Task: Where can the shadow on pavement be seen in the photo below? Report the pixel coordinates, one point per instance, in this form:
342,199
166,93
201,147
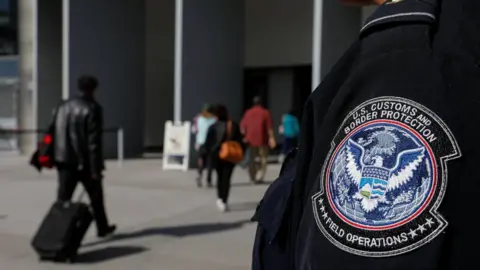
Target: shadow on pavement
263,183
108,253
246,206
178,231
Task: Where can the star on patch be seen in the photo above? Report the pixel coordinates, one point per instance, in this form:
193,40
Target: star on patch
322,208
429,222
325,216
421,228
413,233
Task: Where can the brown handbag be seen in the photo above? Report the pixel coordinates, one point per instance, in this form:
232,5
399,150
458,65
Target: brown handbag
230,150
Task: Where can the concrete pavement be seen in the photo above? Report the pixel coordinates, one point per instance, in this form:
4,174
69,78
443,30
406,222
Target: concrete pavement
164,221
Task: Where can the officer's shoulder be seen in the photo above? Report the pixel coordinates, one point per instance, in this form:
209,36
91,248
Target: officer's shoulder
397,11
391,13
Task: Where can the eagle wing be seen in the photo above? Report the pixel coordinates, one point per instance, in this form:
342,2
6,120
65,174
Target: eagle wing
407,162
354,154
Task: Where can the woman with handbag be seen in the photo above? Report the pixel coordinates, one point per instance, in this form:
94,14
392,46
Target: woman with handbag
224,145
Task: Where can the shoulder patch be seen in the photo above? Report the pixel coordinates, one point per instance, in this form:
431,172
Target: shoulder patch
384,178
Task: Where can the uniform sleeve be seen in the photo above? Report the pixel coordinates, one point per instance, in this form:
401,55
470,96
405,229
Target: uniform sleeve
457,35
304,155
297,126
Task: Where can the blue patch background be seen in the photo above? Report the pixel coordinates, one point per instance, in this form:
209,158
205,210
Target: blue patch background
402,202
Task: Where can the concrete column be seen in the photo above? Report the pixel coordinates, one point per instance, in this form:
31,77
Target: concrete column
160,31
107,40
317,43
49,79
212,55
27,107
209,57
340,25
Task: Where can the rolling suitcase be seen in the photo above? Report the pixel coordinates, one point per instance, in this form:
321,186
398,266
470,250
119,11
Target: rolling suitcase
61,232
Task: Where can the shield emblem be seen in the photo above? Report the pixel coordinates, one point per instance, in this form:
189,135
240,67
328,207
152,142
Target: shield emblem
374,182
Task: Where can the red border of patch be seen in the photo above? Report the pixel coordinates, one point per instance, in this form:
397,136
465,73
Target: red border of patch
400,223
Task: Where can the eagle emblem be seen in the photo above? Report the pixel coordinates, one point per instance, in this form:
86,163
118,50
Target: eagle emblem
375,180
384,178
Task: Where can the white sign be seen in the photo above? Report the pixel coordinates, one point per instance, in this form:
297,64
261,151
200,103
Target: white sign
8,141
176,146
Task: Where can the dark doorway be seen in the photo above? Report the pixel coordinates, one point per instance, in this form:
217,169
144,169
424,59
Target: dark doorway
8,27
302,87
255,83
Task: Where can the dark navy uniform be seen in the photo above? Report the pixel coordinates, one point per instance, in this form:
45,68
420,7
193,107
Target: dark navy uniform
386,175
389,154
271,241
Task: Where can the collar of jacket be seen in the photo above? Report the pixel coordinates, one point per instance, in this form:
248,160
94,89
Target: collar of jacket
395,11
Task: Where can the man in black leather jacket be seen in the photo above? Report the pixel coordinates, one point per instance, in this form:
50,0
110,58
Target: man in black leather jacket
78,150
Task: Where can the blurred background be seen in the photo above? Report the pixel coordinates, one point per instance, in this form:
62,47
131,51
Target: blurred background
156,61
161,60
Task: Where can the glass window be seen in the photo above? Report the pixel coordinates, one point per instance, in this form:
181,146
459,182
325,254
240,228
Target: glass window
8,27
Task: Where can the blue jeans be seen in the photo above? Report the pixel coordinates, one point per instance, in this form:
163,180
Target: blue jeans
246,158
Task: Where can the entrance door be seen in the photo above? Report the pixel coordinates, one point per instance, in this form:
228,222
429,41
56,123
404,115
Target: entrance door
255,83
302,87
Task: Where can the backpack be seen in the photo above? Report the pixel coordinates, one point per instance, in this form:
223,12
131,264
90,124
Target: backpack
44,156
230,150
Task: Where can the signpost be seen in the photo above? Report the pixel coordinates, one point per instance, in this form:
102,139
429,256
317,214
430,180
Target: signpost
176,146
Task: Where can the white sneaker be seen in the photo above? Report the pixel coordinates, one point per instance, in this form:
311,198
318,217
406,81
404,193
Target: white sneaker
222,207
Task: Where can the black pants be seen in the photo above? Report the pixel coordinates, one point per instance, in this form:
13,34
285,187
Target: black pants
67,182
206,163
224,179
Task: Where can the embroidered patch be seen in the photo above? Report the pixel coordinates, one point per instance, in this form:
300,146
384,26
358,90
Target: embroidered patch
384,179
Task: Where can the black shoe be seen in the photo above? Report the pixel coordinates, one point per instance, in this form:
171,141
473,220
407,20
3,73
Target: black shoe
108,232
209,185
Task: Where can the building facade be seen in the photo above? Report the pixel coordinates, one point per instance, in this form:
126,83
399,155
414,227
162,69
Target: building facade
161,60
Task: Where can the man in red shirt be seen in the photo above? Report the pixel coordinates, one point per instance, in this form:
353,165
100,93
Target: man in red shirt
257,127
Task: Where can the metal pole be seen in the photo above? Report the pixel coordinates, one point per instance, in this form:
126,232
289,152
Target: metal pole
35,68
66,50
120,146
317,43
177,101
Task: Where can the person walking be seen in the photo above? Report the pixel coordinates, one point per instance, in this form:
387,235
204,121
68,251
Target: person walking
221,132
290,129
257,127
78,151
203,122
